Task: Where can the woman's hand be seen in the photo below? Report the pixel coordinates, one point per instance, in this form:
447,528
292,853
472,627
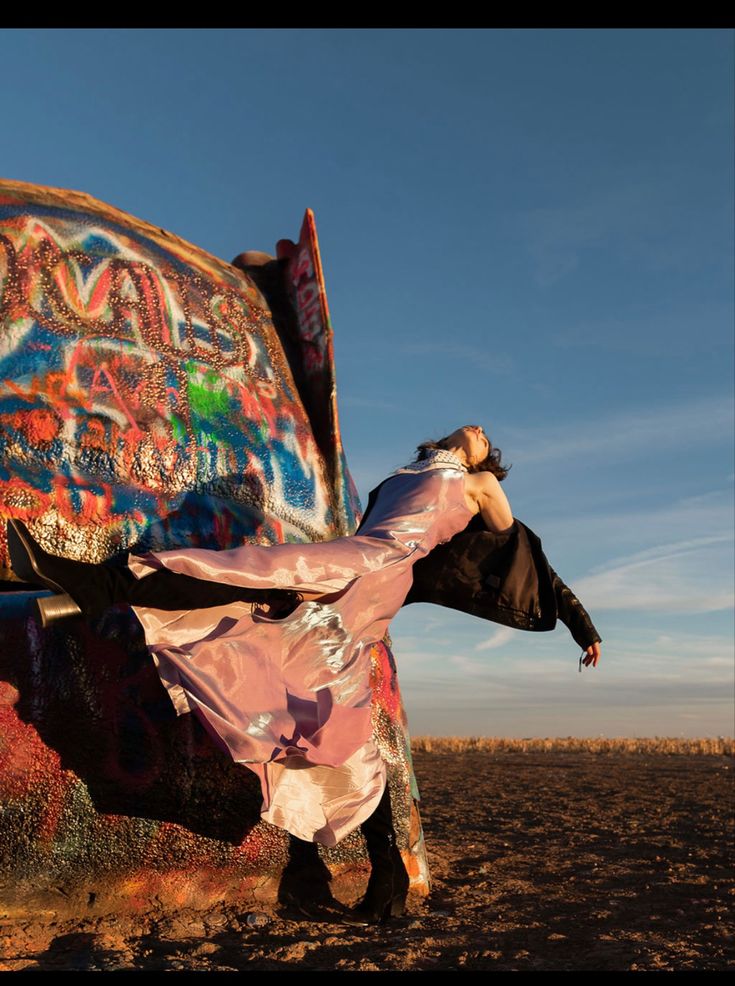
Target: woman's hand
592,655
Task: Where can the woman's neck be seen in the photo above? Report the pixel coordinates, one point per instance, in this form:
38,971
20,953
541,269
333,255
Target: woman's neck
460,454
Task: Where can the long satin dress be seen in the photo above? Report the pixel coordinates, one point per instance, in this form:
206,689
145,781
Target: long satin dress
290,698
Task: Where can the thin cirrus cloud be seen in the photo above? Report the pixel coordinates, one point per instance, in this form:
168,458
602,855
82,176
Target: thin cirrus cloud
650,330
688,576
641,216
704,421
708,514
497,639
476,356
655,674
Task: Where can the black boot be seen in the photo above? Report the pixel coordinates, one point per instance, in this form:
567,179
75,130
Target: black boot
305,880
87,590
34,565
388,885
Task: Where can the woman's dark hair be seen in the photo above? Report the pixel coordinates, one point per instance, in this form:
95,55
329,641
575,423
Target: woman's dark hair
491,462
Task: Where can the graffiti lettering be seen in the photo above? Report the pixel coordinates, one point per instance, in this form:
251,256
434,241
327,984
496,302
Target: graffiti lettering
169,312
131,377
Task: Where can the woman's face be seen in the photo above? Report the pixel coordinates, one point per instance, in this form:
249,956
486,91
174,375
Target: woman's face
473,441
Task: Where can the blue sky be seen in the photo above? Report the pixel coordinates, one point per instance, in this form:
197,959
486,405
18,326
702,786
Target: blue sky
530,230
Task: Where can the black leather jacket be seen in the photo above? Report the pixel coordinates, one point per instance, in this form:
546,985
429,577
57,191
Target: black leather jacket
505,578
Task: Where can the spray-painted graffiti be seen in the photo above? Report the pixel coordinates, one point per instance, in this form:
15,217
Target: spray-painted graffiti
102,786
305,280
139,382
147,401
309,301
390,727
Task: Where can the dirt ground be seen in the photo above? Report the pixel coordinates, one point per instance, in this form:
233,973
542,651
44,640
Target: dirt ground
550,861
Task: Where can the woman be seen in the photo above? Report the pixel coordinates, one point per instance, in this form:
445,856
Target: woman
286,690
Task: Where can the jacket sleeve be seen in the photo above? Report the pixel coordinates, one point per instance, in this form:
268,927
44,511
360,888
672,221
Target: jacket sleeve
571,612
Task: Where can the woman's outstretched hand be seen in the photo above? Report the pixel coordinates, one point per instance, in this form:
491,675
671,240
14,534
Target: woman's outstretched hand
592,655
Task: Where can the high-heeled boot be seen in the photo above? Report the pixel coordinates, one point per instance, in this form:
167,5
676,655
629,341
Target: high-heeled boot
86,590
305,879
79,587
388,885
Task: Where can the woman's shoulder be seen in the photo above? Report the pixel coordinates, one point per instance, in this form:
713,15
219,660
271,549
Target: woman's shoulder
483,482
491,500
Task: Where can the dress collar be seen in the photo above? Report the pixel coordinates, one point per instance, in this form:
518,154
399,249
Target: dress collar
435,459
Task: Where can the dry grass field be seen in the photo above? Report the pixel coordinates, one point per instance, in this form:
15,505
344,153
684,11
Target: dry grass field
719,745
545,855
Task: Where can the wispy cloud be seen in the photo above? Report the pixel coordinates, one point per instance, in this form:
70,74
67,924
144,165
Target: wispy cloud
478,357
500,636
662,552
656,676
647,678
623,435
709,514
648,566
651,329
670,583
689,576
641,216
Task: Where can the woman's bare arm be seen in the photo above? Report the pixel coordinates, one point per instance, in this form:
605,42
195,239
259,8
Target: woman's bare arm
494,507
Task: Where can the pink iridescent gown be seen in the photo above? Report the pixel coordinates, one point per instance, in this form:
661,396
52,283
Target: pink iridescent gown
290,698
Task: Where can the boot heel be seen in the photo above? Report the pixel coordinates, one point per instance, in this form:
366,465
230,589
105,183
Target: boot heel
54,608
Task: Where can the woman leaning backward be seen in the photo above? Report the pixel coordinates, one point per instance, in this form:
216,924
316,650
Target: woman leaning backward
284,686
